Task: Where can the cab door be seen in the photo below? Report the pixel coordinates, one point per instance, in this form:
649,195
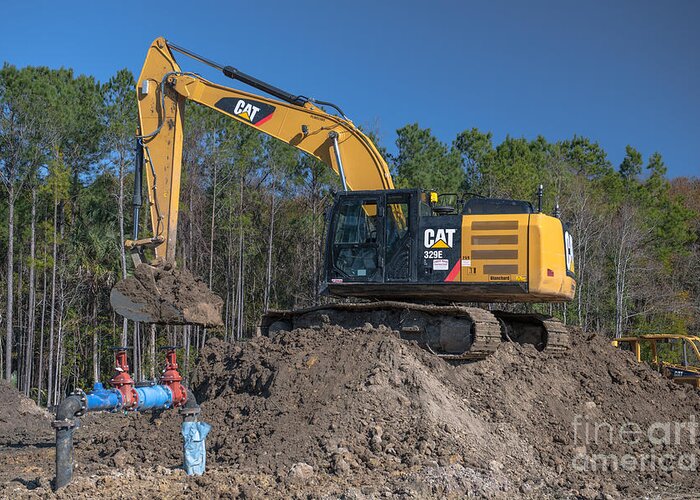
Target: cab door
398,237
356,239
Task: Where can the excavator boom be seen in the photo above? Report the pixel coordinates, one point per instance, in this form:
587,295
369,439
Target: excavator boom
163,90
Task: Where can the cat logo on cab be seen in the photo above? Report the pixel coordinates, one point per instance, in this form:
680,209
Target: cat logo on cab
439,238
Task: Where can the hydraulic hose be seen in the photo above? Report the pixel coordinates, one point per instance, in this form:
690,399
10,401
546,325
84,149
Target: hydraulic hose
65,426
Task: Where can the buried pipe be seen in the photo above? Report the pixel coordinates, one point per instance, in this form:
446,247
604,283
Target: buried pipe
190,410
125,396
66,417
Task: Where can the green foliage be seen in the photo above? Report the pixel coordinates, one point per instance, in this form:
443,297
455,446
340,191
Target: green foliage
477,152
586,158
57,183
64,110
517,169
631,165
664,323
423,161
246,198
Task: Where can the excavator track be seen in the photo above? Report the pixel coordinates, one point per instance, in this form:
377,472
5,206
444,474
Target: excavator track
486,335
558,341
451,332
547,334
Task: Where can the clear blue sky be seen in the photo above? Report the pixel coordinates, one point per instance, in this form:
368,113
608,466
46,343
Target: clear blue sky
619,72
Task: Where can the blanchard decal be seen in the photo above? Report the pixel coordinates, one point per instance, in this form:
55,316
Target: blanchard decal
254,112
439,238
499,278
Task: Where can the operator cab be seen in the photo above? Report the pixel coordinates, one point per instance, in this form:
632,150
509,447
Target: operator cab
370,236
380,241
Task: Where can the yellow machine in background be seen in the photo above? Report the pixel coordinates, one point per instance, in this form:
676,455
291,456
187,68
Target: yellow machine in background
383,244
657,349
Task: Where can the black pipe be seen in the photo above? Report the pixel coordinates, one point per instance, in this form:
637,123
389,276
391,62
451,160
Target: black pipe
236,74
65,426
326,103
190,410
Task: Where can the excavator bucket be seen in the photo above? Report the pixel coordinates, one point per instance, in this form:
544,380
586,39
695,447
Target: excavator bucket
165,295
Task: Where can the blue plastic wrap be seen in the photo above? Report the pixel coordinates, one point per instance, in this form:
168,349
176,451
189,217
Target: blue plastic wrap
194,435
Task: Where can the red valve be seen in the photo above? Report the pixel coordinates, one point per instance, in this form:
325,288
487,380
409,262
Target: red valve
122,381
172,378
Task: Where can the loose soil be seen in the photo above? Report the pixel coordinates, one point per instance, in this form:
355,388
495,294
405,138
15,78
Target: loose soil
21,420
333,413
164,294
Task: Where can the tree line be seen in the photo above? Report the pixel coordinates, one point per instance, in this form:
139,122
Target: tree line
252,221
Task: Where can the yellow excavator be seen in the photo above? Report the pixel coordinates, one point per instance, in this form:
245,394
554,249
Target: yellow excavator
407,258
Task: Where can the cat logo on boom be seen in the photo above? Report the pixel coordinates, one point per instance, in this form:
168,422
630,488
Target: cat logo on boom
251,111
439,238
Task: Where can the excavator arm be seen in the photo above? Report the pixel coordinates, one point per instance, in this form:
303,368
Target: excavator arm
158,292
164,89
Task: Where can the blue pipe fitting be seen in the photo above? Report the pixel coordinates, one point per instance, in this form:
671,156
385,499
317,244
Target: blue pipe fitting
154,397
101,399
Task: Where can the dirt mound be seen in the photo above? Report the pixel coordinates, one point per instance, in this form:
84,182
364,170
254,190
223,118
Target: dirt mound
355,402
21,420
328,412
163,294
593,421
334,399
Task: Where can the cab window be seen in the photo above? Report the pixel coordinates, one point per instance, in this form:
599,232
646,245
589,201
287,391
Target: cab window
356,223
